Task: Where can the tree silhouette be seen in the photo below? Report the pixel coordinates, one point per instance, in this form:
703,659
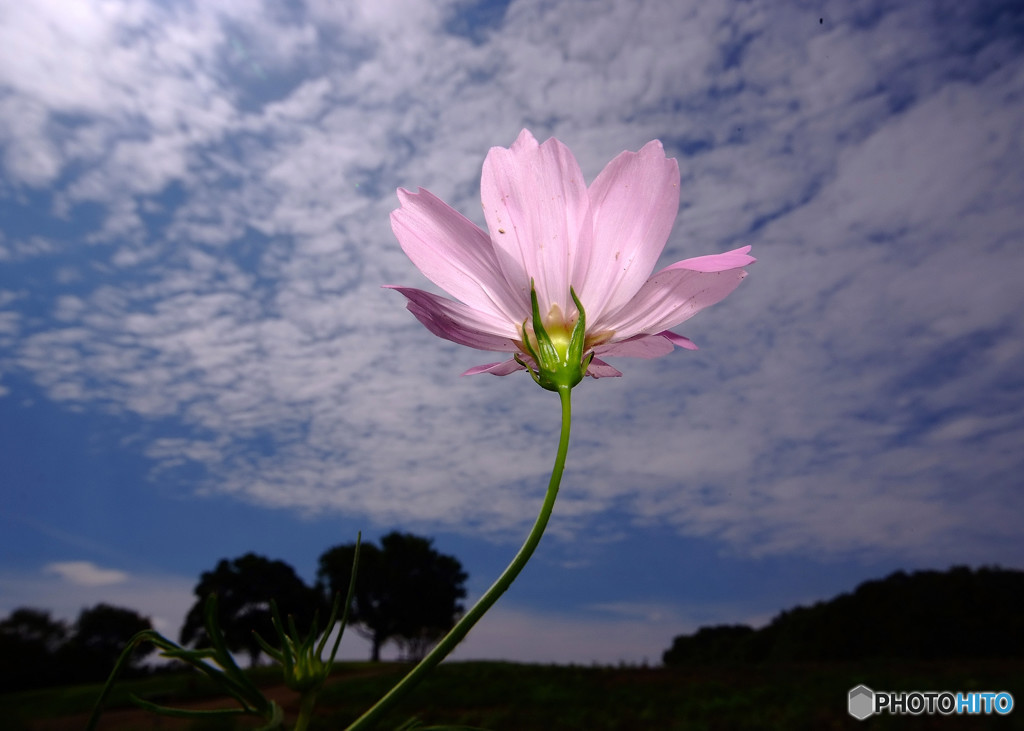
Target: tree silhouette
718,645
36,650
244,588
100,636
927,615
29,642
406,591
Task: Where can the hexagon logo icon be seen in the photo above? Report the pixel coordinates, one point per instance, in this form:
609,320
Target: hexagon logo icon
862,702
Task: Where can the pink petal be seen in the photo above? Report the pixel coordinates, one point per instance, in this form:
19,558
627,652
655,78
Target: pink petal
454,253
459,323
599,369
633,202
535,203
504,368
677,293
679,340
641,346
716,262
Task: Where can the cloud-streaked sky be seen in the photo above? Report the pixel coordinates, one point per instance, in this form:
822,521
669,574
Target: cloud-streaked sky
197,359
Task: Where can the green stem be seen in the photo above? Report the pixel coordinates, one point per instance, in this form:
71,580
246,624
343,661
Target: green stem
460,630
306,703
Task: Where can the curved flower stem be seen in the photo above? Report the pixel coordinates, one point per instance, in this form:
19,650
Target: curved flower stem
460,630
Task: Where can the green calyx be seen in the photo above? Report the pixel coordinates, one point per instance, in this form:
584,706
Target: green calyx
558,354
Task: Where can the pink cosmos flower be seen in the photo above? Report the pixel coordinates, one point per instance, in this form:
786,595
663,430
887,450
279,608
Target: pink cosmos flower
546,227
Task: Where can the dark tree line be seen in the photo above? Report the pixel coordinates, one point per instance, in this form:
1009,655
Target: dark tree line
926,615
406,593
37,650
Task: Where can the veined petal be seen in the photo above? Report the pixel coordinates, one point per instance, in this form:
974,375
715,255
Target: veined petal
535,203
677,293
633,205
459,323
640,346
454,253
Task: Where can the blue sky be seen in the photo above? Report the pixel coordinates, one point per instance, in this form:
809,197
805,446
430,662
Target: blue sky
197,359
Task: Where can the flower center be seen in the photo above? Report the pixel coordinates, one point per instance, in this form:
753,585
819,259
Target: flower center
559,332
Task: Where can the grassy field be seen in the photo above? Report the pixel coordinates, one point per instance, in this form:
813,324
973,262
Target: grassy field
507,696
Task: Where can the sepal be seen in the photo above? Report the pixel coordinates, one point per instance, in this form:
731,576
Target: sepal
559,359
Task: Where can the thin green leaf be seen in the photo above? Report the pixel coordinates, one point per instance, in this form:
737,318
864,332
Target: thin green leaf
330,625
287,649
186,713
244,690
274,653
275,718
135,641
348,602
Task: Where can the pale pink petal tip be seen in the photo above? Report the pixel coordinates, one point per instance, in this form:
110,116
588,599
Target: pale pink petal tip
599,369
453,320
716,262
679,340
504,368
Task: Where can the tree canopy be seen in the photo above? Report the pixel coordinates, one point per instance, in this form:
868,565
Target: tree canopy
29,641
36,650
244,587
101,634
406,591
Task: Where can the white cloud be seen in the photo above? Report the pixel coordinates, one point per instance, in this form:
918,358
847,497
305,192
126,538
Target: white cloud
85,573
873,165
66,588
